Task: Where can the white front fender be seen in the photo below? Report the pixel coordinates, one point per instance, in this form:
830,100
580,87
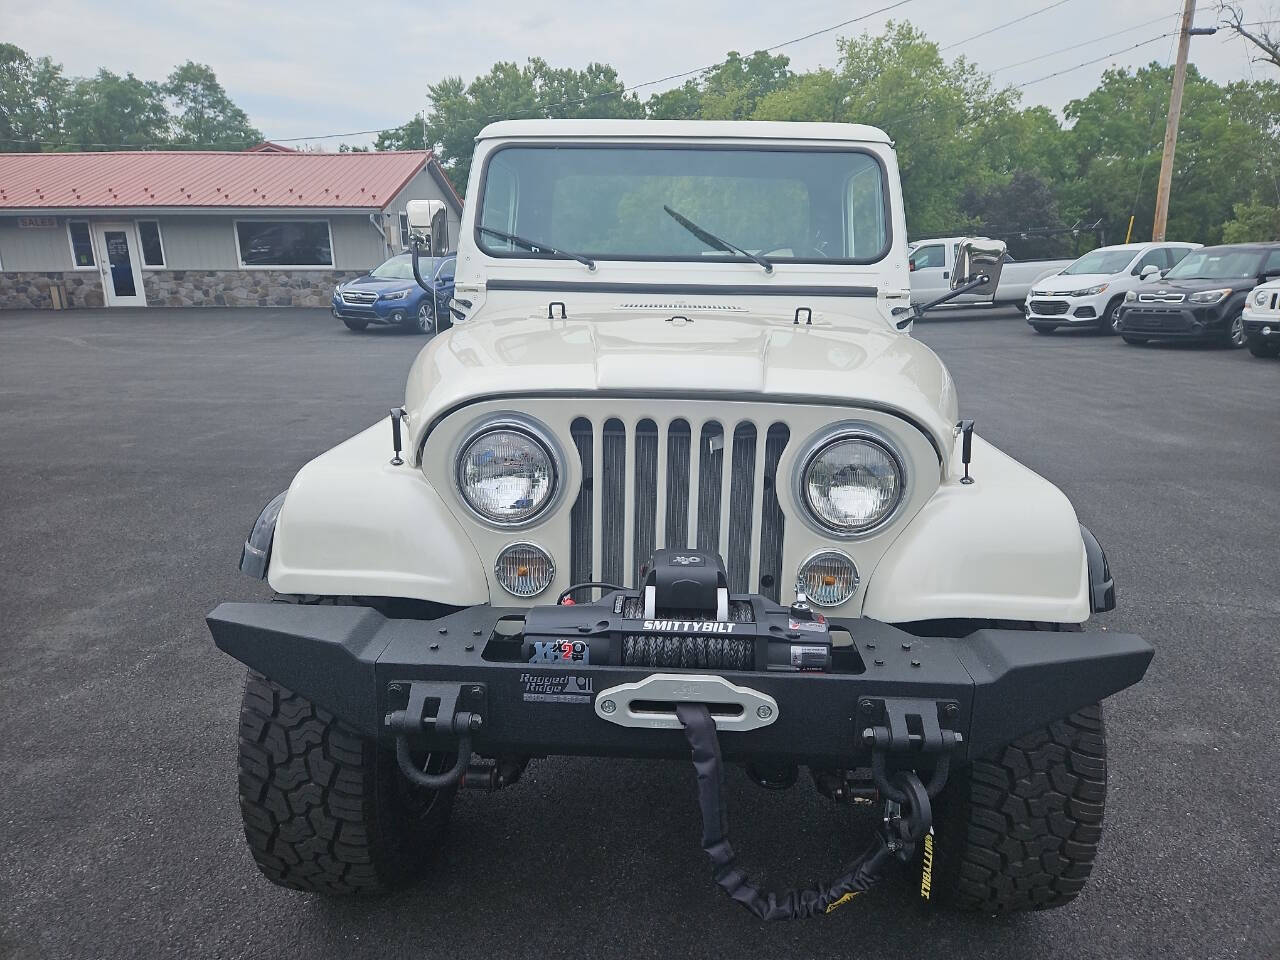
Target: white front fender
352,524
1006,547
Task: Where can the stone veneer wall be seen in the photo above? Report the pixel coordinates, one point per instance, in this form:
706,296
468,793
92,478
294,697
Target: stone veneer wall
243,288
24,291
181,288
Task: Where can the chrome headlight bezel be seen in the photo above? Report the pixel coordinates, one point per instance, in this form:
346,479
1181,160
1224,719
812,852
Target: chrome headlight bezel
533,430
1260,298
533,547
837,433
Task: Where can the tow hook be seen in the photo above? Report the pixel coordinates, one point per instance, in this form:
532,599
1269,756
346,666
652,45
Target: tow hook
438,707
910,729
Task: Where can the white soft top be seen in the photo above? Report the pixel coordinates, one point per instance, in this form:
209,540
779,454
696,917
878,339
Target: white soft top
682,129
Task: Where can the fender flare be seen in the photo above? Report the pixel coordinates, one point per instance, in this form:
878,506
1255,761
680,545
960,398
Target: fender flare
1102,586
255,556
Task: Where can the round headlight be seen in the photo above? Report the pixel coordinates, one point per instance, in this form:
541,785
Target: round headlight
828,578
1260,298
506,475
851,484
524,569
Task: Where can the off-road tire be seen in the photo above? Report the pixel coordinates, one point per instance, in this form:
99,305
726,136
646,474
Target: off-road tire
326,810
1260,348
355,326
1045,328
1020,830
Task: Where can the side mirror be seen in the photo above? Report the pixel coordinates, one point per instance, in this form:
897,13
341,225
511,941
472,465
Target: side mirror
1149,271
978,257
429,224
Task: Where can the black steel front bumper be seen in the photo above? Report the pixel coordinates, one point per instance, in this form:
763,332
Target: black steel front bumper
991,686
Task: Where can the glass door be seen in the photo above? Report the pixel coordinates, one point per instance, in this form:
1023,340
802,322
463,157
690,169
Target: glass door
120,264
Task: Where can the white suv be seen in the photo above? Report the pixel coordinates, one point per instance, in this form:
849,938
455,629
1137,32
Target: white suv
1089,291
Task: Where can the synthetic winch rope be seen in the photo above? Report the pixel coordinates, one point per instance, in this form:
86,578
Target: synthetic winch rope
858,876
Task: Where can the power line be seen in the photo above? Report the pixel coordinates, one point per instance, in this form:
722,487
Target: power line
496,116
1106,56
1001,26
1076,46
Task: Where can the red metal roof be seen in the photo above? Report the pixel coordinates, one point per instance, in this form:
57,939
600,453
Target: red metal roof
200,179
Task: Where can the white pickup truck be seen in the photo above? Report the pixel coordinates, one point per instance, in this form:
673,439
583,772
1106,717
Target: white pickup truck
933,261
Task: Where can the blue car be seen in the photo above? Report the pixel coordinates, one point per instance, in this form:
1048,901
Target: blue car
388,295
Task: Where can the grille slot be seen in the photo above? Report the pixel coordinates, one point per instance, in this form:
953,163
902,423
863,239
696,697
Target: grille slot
658,488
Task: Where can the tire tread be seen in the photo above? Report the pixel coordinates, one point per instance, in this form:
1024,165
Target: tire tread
1028,821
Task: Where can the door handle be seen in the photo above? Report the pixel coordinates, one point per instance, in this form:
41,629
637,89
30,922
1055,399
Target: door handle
946,274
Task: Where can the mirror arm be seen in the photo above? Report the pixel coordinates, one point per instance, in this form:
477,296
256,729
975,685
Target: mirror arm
416,243
917,311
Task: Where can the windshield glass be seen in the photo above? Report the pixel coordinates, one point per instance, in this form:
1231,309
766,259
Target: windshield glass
401,268
1217,265
1102,261
607,202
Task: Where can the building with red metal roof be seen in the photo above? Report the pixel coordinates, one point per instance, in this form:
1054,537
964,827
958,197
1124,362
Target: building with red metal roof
267,227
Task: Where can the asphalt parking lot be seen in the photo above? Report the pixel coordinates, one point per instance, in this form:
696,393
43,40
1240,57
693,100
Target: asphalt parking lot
136,448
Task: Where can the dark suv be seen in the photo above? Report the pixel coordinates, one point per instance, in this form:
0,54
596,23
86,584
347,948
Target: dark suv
1202,298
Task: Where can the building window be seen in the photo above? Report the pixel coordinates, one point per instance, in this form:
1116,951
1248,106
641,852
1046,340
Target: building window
152,248
81,244
404,230
284,243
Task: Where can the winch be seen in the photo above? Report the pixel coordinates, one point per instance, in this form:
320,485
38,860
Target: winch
682,615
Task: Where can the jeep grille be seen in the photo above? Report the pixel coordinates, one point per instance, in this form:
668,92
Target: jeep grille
658,488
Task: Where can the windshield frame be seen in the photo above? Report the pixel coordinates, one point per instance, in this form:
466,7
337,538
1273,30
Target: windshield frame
888,213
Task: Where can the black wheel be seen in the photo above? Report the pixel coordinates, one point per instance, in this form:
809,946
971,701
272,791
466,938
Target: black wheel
326,810
1261,348
1043,327
356,325
1020,830
1111,317
1132,340
424,318
1236,335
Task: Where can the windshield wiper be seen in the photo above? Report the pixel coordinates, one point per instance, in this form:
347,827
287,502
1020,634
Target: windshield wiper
711,240
533,245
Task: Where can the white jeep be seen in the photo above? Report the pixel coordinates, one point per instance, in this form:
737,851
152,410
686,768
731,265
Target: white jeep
679,479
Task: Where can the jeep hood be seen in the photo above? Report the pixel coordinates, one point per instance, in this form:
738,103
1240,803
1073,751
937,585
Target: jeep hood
702,355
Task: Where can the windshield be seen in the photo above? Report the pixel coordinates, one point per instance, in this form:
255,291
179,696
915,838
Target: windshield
401,268
1217,265
1102,261
608,202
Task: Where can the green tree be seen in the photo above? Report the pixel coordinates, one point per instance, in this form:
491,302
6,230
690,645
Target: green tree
460,110
1228,141
728,91
108,111
204,116
31,95
1251,222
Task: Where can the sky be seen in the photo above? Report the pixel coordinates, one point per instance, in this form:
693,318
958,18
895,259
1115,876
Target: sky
322,67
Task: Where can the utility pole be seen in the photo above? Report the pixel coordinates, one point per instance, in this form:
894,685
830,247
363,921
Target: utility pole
1175,113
